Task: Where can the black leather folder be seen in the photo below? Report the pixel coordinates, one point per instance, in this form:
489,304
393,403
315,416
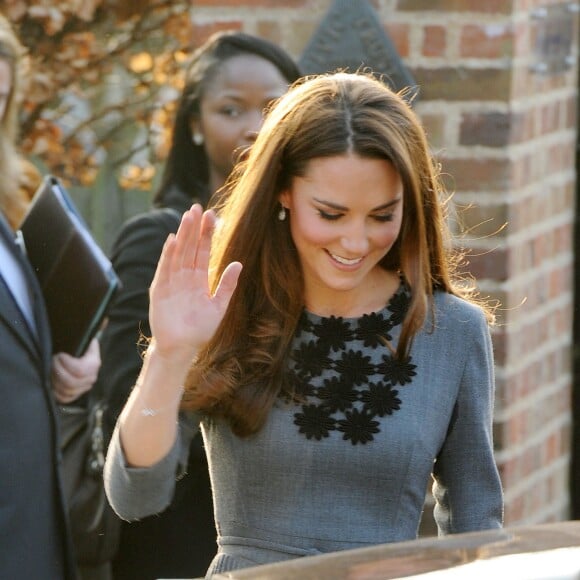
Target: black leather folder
77,279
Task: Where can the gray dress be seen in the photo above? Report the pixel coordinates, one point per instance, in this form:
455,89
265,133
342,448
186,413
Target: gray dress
347,466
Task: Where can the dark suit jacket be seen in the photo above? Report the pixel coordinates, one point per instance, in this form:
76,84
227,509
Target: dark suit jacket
34,535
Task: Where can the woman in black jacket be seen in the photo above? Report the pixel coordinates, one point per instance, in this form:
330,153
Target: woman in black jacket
231,79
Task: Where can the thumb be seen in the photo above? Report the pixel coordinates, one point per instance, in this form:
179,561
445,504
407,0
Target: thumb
227,284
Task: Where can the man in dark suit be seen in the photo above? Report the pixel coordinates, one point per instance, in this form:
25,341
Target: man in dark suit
34,535
34,539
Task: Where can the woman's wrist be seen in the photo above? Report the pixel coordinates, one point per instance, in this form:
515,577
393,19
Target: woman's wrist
173,358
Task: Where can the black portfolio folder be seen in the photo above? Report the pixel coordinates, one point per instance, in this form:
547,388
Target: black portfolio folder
77,279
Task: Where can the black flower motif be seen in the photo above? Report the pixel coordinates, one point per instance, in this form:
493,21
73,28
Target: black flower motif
397,372
300,386
333,332
304,324
310,358
314,421
380,400
334,386
337,394
358,427
354,367
372,327
398,305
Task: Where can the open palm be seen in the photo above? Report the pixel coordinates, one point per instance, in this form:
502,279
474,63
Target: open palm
183,313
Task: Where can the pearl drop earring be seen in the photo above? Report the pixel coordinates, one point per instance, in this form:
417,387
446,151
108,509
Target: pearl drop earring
282,214
197,138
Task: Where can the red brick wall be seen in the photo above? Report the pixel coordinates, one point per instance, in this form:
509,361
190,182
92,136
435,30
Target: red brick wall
506,137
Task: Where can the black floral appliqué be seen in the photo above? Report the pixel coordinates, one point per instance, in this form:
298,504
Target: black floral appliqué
380,399
355,367
372,328
399,305
314,422
337,394
358,426
304,323
310,358
339,386
333,332
399,372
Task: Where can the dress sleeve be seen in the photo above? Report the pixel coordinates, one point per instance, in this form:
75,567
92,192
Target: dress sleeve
135,493
467,488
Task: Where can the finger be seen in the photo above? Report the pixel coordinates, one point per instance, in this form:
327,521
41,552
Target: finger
188,238
62,376
204,248
85,367
163,270
227,284
69,395
60,370
62,398
94,350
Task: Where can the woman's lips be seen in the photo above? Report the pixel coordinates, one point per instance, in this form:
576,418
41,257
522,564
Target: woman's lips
346,261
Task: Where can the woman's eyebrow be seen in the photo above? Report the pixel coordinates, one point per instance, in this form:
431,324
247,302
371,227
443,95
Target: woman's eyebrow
339,207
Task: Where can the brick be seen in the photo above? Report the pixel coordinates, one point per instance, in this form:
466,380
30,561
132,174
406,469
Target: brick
550,118
499,340
463,84
476,174
488,265
483,221
298,34
486,41
201,32
527,83
560,158
398,32
492,129
489,6
434,126
525,171
498,436
564,236
270,30
434,41
571,114
250,3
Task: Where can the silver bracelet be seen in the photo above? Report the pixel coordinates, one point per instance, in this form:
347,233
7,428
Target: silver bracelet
151,412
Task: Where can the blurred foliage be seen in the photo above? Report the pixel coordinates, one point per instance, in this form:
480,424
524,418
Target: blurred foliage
104,77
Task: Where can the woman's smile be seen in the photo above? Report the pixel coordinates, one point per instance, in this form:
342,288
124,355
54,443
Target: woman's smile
345,261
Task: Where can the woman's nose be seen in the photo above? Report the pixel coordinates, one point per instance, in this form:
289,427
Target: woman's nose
356,240
255,120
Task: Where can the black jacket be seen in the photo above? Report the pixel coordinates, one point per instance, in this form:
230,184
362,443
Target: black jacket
34,535
182,541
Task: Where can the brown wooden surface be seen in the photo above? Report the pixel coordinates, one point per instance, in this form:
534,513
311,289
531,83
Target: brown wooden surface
398,560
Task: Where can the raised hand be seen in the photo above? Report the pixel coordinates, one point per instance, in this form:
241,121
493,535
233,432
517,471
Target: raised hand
183,314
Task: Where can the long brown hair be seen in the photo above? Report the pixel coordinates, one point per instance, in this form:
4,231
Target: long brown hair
240,373
12,202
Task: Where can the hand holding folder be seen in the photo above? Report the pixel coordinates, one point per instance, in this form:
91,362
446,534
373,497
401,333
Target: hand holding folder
77,279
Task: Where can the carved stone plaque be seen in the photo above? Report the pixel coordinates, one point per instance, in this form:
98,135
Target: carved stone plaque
351,37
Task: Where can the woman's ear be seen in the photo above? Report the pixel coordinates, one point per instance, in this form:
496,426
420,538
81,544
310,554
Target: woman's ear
285,199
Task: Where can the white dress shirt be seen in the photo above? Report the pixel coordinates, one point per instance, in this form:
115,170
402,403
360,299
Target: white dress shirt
13,276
